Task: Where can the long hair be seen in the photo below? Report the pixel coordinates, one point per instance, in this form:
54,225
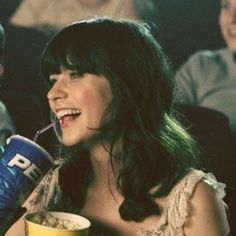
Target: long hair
157,151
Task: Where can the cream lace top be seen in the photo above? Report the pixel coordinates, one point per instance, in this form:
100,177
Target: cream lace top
176,205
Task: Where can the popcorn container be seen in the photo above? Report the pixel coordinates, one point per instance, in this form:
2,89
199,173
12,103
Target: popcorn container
56,224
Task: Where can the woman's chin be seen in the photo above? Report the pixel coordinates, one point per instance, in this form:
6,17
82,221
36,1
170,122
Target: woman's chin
69,142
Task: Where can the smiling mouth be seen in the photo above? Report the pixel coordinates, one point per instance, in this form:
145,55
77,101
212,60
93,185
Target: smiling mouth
65,116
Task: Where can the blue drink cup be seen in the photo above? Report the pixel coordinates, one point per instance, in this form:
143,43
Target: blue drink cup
23,164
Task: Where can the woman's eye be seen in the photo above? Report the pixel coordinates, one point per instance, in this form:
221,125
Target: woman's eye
75,75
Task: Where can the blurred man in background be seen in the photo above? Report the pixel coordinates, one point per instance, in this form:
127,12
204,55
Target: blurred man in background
208,78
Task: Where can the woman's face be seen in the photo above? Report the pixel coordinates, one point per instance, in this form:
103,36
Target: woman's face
227,21
79,103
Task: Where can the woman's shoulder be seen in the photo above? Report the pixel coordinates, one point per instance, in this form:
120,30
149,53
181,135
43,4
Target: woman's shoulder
195,186
186,205
194,177
206,208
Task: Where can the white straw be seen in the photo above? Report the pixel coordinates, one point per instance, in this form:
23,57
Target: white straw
43,130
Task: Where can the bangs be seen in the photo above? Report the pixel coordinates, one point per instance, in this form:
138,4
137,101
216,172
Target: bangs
75,56
55,59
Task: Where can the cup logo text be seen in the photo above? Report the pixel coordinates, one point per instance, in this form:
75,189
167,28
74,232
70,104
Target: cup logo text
31,171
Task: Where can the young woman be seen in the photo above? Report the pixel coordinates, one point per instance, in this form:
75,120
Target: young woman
126,163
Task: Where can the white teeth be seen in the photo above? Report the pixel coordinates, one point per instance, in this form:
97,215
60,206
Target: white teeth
65,112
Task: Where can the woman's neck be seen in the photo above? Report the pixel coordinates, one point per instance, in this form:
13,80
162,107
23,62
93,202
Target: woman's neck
105,170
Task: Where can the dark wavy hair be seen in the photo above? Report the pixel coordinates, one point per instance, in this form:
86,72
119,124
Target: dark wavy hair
157,151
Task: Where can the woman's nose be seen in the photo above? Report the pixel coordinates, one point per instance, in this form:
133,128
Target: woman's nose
58,91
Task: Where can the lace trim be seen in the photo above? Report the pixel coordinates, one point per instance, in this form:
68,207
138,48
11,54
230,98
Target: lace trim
210,179
177,204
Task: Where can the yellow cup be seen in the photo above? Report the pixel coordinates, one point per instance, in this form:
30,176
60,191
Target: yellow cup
35,229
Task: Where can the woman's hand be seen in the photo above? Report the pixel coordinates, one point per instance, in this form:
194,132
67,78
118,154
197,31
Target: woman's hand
11,220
